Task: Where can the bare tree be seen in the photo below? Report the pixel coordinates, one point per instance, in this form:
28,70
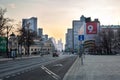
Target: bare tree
106,37
5,26
25,38
5,23
117,39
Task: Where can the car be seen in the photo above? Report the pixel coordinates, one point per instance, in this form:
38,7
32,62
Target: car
55,54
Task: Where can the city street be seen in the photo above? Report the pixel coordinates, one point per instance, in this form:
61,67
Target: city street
39,68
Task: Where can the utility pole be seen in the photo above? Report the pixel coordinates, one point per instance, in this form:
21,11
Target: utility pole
81,38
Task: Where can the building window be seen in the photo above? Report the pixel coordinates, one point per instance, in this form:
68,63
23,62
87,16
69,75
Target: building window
31,49
35,49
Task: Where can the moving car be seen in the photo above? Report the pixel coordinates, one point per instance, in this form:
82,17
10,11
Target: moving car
55,54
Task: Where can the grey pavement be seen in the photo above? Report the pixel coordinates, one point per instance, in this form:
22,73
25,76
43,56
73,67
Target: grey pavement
95,68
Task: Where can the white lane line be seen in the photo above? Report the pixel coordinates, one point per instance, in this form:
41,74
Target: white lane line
1,79
47,72
55,76
58,65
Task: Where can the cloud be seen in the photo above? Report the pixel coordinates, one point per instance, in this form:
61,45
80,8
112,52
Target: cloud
12,5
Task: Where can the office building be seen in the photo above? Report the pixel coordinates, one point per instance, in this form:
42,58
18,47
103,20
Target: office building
40,32
85,26
76,25
60,45
69,42
30,23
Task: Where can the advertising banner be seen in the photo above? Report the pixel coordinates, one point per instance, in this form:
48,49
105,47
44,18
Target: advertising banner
91,27
3,42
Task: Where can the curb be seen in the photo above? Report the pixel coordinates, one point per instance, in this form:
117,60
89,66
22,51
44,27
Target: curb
71,71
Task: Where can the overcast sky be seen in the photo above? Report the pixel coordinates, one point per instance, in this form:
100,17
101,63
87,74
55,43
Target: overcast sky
55,16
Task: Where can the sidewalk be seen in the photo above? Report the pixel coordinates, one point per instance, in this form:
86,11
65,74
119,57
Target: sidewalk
73,71
17,58
95,68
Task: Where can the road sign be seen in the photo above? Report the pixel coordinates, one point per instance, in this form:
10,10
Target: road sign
81,37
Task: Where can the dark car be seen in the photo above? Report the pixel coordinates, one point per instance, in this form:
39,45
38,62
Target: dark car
55,54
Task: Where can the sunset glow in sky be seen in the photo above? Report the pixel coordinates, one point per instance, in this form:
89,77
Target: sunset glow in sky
55,16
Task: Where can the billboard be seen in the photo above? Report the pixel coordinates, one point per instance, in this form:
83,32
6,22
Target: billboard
3,42
91,27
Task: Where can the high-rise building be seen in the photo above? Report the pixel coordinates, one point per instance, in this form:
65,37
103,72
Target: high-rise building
60,45
76,24
30,23
40,32
68,45
54,42
86,27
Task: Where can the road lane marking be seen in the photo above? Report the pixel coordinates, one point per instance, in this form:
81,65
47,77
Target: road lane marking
55,76
58,65
1,79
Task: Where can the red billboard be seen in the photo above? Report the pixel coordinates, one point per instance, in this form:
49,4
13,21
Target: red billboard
91,27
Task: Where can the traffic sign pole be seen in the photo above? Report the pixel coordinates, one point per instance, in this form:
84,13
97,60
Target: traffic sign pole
81,38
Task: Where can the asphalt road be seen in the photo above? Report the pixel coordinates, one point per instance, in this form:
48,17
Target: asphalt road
44,68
